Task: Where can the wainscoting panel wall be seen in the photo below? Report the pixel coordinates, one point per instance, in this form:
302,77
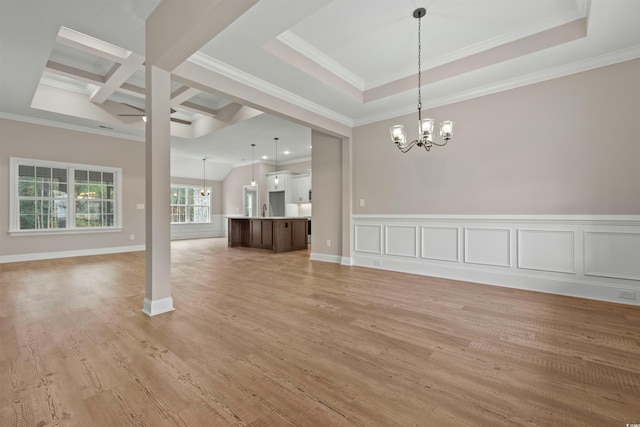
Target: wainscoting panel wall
610,254
216,228
594,257
546,250
440,243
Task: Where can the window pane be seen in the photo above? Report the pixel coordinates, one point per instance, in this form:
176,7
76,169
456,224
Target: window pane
199,214
81,191
178,214
27,214
42,172
43,188
81,176
95,191
26,188
109,193
42,214
25,171
59,175
95,177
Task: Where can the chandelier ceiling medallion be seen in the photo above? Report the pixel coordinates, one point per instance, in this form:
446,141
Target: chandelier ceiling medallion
204,191
425,126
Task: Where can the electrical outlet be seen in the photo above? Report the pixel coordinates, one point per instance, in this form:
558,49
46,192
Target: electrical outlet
377,263
626,294
132,236
328,243
362,203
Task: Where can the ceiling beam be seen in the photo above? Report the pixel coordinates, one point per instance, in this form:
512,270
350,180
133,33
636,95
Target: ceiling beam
119,75
74,73
177,29
182,95
91,45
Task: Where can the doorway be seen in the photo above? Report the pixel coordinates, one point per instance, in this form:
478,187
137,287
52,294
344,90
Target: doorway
250,200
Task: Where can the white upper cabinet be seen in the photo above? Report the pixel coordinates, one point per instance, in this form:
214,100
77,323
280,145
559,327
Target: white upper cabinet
301,189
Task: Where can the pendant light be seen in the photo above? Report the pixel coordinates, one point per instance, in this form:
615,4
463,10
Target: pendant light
276,180
204,191
425,126
253,165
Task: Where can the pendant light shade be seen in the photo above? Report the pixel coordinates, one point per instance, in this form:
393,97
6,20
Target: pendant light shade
204,191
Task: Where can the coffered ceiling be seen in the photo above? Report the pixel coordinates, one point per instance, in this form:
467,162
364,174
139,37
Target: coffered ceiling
79,64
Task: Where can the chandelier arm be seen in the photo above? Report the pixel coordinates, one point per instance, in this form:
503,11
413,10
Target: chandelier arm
408,147
440,145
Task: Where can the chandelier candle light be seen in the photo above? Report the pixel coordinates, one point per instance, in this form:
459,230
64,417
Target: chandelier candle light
425,126
204,191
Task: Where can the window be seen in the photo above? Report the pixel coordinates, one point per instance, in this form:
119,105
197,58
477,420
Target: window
55,196
188,206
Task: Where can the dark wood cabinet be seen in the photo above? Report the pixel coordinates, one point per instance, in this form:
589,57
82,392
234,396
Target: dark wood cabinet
277,234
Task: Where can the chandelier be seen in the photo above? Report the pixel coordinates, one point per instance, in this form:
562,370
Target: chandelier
276,180
425,126
204,191
253,166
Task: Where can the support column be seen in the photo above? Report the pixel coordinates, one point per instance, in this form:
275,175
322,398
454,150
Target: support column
157,298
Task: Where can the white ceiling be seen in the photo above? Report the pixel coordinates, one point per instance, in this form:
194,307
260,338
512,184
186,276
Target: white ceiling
352,61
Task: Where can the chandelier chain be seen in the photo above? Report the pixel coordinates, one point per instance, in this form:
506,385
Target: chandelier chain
419,64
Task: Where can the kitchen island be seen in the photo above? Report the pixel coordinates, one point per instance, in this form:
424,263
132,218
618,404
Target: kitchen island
280,234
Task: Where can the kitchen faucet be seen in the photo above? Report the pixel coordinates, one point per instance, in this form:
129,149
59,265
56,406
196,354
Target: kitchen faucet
264,209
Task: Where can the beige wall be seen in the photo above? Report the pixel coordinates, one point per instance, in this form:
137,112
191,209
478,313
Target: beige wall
19,139
241,176
326,183
237,179
565,146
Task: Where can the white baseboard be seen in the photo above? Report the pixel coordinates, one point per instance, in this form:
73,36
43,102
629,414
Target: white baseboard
348,261
336,259
158,306
67,254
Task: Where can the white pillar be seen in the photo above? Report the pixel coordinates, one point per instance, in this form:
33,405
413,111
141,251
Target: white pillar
157,297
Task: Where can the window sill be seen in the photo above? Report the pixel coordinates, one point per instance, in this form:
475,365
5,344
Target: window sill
56,232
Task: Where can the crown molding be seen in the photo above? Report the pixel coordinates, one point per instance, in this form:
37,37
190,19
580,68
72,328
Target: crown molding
247,79
296,43
67,126
58,83
525,80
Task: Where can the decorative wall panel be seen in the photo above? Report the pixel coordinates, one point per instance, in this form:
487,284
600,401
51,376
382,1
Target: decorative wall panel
487,246
368,238
610,254
401,240
440,243
546,250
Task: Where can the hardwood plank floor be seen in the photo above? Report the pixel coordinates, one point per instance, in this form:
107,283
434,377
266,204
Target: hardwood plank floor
263,339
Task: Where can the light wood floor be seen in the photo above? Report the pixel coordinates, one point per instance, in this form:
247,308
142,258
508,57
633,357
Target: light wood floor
259,339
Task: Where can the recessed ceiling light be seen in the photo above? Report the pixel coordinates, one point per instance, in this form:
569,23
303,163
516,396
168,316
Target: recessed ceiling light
286,152
264,157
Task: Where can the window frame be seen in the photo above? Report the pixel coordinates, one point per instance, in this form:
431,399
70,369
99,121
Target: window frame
14,200
187,206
